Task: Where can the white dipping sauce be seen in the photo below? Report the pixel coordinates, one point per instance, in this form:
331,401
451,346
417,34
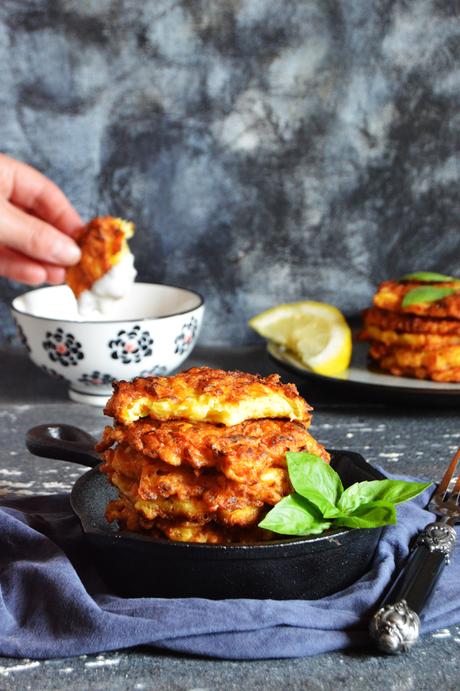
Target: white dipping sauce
110,287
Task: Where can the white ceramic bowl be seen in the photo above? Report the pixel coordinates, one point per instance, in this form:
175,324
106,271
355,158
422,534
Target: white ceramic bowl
150,331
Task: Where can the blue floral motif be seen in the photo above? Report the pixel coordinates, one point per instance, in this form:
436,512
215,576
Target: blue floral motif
63,348
131,346
96,379
186,337
157,371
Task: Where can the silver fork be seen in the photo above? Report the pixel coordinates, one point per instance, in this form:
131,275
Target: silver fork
395,627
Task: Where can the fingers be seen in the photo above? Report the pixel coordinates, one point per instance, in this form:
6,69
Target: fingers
54,274
20,268
27,188
33,212
34,238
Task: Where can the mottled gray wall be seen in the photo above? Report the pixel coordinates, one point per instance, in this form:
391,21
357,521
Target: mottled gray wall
268,150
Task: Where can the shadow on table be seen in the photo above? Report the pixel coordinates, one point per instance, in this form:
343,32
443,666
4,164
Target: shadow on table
24,382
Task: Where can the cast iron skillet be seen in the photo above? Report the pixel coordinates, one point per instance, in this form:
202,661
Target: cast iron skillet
138,566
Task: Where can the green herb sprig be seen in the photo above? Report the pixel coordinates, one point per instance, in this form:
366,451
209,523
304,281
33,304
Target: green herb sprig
320,502
428,277
427,294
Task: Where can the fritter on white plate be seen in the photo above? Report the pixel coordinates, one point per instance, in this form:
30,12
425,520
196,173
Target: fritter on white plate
390,295
440,364
409,323
417,339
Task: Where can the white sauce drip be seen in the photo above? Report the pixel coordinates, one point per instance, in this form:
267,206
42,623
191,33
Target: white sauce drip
113,286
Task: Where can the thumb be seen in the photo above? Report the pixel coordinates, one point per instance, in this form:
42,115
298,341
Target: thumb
35,238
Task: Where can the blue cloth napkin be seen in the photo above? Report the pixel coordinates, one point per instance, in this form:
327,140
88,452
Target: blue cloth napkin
53,603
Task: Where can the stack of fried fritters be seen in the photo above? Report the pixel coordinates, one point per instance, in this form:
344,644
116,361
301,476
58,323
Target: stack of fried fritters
418,340
200,456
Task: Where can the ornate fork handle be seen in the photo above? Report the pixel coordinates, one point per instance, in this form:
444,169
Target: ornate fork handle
395,627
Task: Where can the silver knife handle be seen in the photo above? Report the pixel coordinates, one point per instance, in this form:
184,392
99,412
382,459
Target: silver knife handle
438,537
395,627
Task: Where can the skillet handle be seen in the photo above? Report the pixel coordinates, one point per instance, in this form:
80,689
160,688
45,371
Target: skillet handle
64,442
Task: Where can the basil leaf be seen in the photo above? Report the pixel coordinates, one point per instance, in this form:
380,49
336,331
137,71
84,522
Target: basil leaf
393,491
294,516
428,276
426,294
315,480
371,515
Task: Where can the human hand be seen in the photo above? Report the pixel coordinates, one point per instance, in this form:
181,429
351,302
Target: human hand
36,224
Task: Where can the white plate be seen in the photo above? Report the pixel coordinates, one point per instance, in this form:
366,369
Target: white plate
359,374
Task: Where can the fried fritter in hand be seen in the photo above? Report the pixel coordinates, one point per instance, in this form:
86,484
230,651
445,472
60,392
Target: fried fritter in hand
102,242
106,270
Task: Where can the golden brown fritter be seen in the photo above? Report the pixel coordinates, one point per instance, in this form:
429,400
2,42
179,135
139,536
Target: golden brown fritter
390,294
451,375
199,503
239,452
159,489
202,394
211,533
440,364
408,340
122,511
409,323
102,242
420,340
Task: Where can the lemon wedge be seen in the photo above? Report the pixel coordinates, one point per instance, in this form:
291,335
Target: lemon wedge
315,331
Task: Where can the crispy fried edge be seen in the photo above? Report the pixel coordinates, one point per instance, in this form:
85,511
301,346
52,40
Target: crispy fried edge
204,445
434,364
409,323
232,386
414,341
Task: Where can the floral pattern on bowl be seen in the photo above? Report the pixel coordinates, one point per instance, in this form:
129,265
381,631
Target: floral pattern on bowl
185,340
131,346
62,347
155,371
96,378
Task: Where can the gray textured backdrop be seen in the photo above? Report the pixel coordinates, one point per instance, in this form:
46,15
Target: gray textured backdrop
268,150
